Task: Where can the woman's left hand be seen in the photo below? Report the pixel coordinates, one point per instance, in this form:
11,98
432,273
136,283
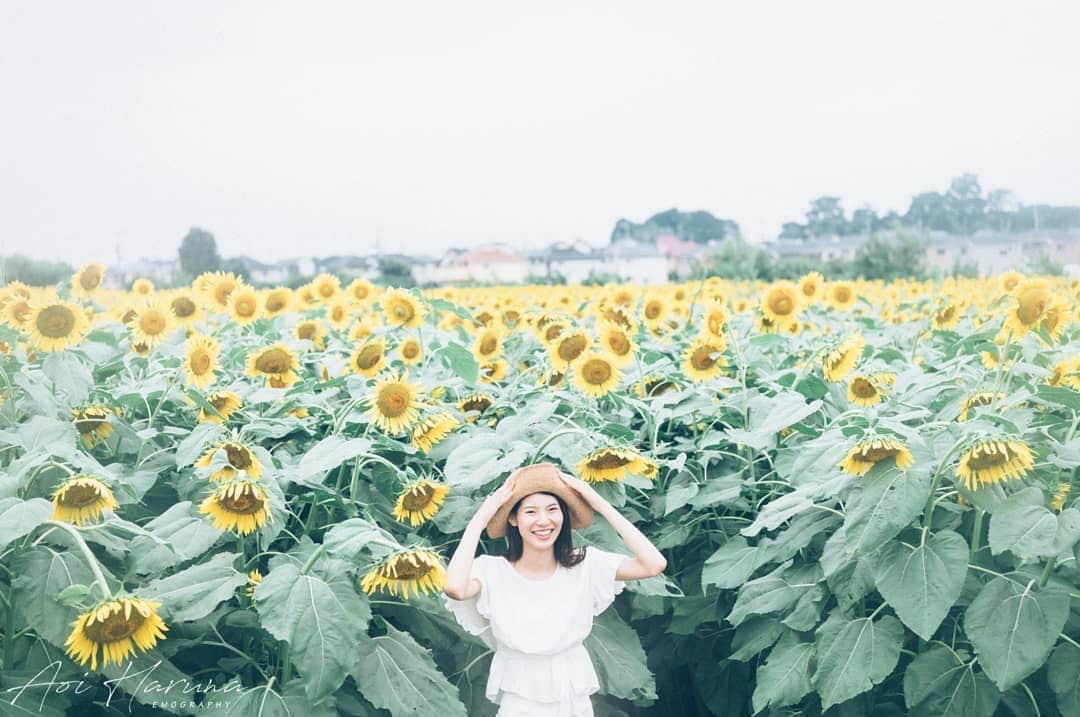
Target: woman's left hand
586,491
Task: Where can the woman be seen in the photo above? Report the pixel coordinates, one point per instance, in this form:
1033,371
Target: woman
535,604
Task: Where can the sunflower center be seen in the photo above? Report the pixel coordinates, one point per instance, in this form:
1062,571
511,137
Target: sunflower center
21,311
480,403
982,458
306,330
220,403
200,361
842,294
80,495
1032,305
596,371
653,310
183,307
618,343
56,321
608,461
337,313
863,388
405,570
702,358
488,345
152,323
401,311
115,627
873,455
246,503
393,400
572,347
90,279
418,498
410,350
245,306
946,314
222,291
272,361
275,302
781,304
88,423
369,356
552,332
715,322
239,456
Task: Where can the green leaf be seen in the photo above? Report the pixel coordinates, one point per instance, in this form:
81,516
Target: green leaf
355,537
1026,530
883,502
679,492
74,595
1063,674
784,679
755,635
1059,395
770,414
1068,531
329,453
619,660
42,574
461,362
398,674
18,517
854,655
922,582
938,683
186,535
264,701
323,622
192,447
775,592
195,592
731,565
1013,625
483,458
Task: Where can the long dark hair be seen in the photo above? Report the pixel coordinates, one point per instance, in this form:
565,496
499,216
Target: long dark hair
565,554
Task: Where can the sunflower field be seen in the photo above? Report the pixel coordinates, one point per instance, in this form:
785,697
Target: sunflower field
229,500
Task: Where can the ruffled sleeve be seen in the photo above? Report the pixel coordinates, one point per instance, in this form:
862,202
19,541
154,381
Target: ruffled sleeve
604,586
474,614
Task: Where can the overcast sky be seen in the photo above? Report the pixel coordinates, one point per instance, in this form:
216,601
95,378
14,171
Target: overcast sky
313,128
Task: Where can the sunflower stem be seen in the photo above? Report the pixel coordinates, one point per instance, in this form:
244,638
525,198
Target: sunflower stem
99,577
976,534
286,665
9,631
1047,572
314,556
932,497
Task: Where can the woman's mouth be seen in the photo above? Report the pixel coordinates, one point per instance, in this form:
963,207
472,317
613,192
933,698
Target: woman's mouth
544,534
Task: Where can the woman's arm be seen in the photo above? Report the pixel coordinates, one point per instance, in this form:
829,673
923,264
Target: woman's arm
647,560
458,583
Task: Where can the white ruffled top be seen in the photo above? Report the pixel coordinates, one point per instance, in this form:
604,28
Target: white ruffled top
536,627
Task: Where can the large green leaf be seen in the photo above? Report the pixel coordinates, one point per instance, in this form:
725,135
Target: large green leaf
755,635
42,573
1026,530
921,582
1063,674
784,679
619,660
329,453
461,362
265,701
883,502
18,517
939,683
185,533
1014,624
351,539
397,673
775,592
854,655
770,414
195,444
483,458
194,593
731,565
322,620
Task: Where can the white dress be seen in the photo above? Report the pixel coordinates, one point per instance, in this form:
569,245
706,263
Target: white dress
536,627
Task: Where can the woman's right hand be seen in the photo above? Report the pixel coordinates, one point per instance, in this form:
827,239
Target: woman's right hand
496,500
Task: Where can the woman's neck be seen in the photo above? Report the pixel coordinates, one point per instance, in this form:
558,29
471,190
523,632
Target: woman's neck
537,561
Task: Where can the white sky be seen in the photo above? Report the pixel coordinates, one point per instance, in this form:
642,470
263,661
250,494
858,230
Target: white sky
313,128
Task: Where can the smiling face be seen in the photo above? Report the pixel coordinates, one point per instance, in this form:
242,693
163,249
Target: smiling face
539,520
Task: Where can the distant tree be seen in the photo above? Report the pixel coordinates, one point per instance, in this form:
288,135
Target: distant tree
1043,263
794,230
825,217
890,257
965,269
198,252
734,259
965,203
395,272
700,227
34,272
864,220
928,211
237,266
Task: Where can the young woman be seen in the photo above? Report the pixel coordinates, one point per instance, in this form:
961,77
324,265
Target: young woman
534,604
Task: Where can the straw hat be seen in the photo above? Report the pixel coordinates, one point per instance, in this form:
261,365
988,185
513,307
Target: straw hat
541,478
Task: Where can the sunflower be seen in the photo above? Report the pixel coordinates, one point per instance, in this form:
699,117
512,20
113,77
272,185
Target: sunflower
811,287
610,464
872,450
369,358
946,317
841,295
983,398
92,423
1033,298
277,363
225,402
186,310
991,461
488,344
596,374
550,332
401,309
654,385
419,501
52,326
87,280
217,287
492,371
1057,317
1066,373
113,629
201,360
617,343
567,348
394,404
151,323
18,310
277,301
1057,501
325,287
238,458
417,569
241,505
312,331
243,305
780,302
360,290
1010,280
839,362
478,402
702,359
654,310
254,578
81,499
339,314
142,287
432,429
410,351
714,320
868,390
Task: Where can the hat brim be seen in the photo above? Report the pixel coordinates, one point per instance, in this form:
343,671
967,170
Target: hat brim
541,478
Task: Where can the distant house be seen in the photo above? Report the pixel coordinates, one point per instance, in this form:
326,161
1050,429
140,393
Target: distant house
637,262
826,248
162,272
574,262
493,263
680,254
